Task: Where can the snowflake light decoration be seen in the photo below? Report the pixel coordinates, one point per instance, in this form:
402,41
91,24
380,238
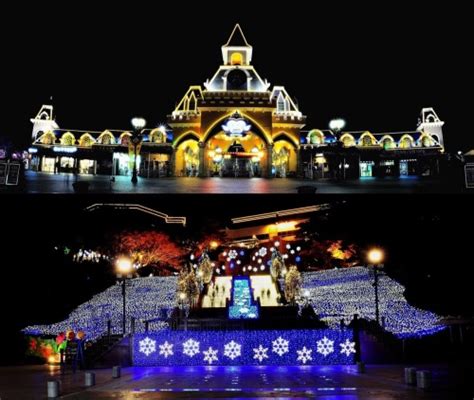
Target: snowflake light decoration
347,347
147,346
232,254
280,346
210,355
304,355
166,349
262,252
232,350
260,353
191,347
325,346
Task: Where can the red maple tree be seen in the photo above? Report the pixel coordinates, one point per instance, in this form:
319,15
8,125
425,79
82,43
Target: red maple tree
149,248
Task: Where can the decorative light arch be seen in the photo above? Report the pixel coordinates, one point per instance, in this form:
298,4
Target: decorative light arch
317,134
86,140
190,135
283,136
424,139
124,135
66,137
157,132
386,138
106,133
347,140
47,135
367,134
405,139
262,132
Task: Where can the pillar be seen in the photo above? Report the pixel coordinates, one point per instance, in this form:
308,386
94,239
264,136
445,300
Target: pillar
299,163
269,173
202,166
172,170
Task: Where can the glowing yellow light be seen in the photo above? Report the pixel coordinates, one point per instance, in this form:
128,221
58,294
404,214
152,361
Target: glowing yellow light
375,256
214,244
52,359
236,59
182,296
211,154
124,265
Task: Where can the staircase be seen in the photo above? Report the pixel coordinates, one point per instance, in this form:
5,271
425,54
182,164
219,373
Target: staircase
96,354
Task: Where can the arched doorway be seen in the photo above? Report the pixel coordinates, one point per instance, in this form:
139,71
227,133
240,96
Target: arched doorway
236,149
187,157
284,157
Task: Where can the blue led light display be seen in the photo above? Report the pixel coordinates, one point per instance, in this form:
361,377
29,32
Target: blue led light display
242,305
266,347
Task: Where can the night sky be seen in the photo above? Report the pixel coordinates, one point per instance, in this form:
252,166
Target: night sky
376,65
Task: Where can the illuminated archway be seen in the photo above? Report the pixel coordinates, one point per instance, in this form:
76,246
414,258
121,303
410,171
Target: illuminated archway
187,157
257,129
284,156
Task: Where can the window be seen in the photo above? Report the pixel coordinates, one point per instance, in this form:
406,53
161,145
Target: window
236,59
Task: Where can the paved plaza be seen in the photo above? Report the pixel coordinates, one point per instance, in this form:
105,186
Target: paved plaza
63,183
324,382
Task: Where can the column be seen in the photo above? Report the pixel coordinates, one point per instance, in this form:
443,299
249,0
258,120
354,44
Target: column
172,161
269,173
299,163
202,166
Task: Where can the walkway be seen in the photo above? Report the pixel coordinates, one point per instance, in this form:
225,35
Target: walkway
325,382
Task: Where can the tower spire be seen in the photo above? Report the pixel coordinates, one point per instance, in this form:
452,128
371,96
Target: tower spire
237,51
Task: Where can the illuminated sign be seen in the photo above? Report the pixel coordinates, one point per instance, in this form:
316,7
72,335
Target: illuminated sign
58,149
32,150
236,126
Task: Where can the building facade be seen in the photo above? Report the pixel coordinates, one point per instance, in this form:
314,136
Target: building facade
238,125
109,152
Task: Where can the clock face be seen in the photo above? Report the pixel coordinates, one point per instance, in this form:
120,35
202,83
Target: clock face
237,80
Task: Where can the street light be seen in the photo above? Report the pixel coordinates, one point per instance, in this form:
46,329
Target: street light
337,124
138,125
124,267
375,258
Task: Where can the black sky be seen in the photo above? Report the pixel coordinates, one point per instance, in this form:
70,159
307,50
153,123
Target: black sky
375,64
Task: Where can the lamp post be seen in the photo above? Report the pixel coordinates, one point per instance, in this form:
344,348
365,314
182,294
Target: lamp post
138,125
337,125
375,257
124,268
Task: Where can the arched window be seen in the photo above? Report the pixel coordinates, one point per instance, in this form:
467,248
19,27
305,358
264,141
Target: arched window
157,136
426,141
68,139
86,140
388,144
405,142
106,138
316,137
348,141
367,140
125,139
48,138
